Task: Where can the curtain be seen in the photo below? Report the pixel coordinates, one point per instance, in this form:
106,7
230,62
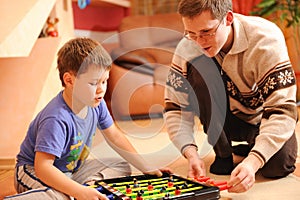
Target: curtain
244,6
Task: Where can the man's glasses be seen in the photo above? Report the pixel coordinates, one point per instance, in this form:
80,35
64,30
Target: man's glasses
193,36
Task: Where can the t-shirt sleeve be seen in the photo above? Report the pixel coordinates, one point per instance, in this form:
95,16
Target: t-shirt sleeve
105,119
51,136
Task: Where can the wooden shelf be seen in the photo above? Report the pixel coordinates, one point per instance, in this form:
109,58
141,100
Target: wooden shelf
110,3
21,24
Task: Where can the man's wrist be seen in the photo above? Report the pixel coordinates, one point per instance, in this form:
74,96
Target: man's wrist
259,157
253,161
189,151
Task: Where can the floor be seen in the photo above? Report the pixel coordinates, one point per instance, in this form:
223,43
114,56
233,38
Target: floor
152,134
6,183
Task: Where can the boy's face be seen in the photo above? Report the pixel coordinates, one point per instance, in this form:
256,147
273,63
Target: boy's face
90,87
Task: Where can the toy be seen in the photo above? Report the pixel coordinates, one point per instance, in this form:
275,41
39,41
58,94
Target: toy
160,189
51,29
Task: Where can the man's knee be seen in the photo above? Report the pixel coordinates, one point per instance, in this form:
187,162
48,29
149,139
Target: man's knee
283,162
278,172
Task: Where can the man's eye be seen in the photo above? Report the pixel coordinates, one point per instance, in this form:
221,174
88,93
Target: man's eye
93,84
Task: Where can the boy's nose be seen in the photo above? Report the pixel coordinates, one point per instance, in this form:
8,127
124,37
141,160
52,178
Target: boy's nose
100,88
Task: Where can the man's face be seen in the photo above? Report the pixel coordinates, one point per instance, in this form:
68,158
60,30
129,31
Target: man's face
209,33
90,87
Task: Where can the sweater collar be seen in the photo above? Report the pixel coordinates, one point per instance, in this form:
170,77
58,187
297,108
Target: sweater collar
240,40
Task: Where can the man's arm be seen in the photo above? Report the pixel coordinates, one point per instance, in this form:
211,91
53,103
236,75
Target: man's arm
178,114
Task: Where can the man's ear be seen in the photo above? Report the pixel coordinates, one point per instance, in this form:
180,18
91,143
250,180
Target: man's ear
229,18
68,79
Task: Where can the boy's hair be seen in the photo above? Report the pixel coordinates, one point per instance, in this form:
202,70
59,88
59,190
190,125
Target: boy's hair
193,8
78,54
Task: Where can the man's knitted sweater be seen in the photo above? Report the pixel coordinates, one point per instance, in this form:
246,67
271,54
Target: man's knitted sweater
260,83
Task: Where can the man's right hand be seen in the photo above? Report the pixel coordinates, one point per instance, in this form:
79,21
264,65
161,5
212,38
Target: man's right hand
196,168
196,165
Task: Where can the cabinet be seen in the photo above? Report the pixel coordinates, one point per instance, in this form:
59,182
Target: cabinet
108,13
28,75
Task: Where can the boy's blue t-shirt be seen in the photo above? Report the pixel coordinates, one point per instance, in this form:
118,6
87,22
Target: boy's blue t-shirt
58,131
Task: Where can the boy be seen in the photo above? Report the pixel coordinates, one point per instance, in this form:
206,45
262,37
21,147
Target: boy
52,162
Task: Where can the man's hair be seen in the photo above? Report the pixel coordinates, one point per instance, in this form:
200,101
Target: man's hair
193,8
78,54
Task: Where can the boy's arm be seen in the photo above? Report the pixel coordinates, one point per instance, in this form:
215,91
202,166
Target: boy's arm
53,177
118,141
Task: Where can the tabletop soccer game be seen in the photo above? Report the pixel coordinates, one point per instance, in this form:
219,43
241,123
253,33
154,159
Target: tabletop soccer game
151,187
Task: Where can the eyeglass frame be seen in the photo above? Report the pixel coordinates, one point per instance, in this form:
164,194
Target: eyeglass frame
205,35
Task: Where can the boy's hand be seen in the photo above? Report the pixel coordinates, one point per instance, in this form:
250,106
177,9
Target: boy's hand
166,170
159,172
87,193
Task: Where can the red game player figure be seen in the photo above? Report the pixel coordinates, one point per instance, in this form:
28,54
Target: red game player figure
150,186
170,183
139,196
177,190
128,189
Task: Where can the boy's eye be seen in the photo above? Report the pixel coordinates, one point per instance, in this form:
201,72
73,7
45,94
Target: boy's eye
93,84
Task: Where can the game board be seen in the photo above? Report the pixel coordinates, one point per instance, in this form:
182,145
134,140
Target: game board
149,187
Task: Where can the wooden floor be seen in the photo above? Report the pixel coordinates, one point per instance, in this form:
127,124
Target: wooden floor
7,188
6,183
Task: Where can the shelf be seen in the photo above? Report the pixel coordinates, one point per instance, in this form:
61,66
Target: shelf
122,3
110,3
21,24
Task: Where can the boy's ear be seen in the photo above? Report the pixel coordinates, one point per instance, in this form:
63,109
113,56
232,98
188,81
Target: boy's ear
68,79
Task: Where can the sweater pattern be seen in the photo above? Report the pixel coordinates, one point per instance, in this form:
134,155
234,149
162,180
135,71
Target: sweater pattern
279,78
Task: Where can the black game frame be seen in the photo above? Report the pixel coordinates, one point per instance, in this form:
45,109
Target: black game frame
193,190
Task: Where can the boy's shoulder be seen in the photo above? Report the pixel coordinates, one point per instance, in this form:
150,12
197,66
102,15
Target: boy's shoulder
56,108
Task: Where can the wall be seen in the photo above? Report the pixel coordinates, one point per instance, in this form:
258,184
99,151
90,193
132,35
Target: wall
28,83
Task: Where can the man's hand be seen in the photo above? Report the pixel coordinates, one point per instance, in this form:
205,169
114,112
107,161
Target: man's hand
243,176
196,168
196,165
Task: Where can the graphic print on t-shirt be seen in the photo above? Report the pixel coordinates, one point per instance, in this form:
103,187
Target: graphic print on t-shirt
75,151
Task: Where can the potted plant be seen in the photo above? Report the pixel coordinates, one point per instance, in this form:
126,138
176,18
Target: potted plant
286,14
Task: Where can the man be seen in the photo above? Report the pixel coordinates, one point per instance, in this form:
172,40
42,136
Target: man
234,73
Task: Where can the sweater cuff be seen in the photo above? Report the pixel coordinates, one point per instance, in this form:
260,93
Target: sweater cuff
185,147
259,156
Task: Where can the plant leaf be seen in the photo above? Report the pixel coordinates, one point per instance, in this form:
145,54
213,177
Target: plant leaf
266,3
